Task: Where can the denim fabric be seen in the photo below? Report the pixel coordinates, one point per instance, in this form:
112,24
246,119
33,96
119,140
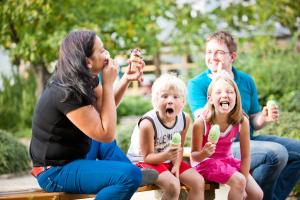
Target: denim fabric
107,178
106,151
275,164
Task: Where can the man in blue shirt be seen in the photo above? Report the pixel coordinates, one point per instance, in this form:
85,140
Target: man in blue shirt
275,161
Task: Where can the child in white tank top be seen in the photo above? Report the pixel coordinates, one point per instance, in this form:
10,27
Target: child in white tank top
151,140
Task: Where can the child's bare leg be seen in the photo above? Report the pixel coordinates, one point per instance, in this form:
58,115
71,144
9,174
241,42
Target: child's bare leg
195,182
253,190
237,183
169,184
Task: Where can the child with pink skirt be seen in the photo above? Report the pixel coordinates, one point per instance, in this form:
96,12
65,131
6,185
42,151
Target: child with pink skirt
214,160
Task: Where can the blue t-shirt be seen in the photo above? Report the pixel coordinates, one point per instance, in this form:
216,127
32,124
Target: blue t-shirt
197,92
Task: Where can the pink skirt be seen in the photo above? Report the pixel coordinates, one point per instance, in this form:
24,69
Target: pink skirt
218,170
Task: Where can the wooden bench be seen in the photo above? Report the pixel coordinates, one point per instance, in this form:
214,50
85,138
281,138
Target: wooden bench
38,194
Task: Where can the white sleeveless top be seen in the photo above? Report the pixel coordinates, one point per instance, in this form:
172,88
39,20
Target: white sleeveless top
162,138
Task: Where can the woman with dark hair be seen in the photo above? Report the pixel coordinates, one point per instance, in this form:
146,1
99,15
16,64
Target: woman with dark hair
75,109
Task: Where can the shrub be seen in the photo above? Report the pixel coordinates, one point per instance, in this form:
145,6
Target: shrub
124,132
287,126
134,105
290,101
13,155
17,100
275,73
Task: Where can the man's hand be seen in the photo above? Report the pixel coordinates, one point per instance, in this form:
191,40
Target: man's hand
271,114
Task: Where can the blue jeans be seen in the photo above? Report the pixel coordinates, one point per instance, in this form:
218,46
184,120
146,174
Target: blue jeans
275,164
108,178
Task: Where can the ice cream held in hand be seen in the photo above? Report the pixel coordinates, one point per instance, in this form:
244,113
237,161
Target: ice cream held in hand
176,139
270,104
214,134
135,58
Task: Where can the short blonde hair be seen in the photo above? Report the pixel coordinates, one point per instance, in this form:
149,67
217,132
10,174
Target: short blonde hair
167,82
236,114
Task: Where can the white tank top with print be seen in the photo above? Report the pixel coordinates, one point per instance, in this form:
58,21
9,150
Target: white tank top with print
162,138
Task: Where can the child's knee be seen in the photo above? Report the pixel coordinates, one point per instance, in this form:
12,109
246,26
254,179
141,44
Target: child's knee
199,182
238,181
256,194
173,188
259,194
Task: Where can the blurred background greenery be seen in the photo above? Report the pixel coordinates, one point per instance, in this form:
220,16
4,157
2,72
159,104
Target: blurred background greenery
31,31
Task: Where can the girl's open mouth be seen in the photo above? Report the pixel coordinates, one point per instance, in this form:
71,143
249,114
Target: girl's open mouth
224,104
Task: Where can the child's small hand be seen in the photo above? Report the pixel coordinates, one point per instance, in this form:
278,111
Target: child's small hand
171,153
175,171
209,149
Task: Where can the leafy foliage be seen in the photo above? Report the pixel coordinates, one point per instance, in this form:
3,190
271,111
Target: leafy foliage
17,100
276,74
124,132
287,126
13,155
134,105
31,30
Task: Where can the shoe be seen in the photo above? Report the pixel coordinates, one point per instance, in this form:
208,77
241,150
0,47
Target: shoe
149,176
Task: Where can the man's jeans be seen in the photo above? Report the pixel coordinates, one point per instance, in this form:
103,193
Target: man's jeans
275,164
108,178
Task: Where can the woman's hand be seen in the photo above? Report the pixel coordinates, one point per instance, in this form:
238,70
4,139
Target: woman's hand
135,75
110,72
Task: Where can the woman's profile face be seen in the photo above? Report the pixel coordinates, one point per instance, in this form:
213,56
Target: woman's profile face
99,58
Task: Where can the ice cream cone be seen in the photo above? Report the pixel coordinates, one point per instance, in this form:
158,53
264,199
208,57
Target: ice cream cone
270,104
135,58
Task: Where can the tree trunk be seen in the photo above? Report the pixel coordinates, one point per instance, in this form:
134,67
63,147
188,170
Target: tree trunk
157,64
42,75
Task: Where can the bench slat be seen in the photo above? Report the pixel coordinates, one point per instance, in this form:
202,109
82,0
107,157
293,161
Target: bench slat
39,194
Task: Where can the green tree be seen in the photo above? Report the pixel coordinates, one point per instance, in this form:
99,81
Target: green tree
31,30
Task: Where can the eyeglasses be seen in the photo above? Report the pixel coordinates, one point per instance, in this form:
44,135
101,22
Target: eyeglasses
217,52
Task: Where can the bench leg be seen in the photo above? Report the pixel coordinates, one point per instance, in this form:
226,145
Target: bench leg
183,194
210,194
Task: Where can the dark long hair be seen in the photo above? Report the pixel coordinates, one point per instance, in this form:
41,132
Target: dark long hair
71,72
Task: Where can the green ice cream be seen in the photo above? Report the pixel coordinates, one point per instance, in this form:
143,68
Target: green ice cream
176,139
271,103
214,134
